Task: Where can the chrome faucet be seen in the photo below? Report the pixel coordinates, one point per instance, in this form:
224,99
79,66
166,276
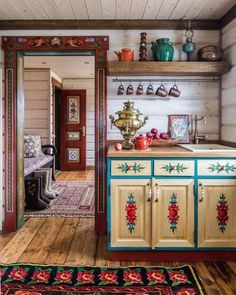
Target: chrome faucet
196,135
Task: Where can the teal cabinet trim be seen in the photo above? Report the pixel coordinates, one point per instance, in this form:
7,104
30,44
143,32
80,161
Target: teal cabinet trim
195,177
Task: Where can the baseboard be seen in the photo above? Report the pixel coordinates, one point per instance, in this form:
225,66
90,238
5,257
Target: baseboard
90,167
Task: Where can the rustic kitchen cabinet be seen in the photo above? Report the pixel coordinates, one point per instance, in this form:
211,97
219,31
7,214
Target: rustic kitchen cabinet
184,202
152,213
216,213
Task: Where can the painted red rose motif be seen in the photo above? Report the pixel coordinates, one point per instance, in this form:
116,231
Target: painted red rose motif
64,276
178,277
156,276
173,212
131,212
130,209
2,273
108,277
222,213
186,291
18,274
85,277
41,276
132,276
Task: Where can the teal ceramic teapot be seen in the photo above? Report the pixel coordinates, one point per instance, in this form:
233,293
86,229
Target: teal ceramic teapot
162,50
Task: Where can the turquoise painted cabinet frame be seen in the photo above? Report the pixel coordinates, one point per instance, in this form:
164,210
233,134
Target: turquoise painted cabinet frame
196,177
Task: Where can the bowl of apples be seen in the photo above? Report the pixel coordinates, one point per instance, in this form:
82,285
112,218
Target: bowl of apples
160,139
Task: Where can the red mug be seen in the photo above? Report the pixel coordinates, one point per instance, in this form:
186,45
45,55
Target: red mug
174,91
161,91
130,90
139,90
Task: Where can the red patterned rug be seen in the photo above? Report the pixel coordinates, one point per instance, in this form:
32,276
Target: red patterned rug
76,199
65,280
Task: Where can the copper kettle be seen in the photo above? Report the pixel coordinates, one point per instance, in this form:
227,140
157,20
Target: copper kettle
125,54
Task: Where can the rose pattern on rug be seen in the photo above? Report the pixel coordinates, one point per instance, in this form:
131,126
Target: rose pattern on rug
130,209
81,280
222,213
173,210
132,276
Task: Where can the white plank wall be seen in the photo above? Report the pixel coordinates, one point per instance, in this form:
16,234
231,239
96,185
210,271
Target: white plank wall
228,103
89,86
37,103
201,98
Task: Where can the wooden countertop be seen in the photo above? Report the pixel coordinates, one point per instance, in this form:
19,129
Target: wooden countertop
162,152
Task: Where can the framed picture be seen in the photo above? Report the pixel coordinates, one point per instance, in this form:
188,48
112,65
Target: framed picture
178,126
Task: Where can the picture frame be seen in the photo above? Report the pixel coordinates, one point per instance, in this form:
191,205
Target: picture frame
178,128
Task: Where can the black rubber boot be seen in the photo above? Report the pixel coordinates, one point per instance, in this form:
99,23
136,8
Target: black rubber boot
32,194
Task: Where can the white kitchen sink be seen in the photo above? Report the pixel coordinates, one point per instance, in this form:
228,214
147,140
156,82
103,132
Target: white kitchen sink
207,147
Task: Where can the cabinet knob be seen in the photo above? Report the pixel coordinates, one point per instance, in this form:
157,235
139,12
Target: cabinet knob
157,192
202,193
149,193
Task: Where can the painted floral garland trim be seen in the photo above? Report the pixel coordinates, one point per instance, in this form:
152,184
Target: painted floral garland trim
179,168
136,168
173,215
222,168
131,209
222,213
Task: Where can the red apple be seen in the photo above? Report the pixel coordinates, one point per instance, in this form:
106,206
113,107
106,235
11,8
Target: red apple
149,134
156,136
154,130
164,135
118,146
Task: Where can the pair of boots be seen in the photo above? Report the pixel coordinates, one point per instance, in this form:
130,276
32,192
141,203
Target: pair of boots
33,194
48,193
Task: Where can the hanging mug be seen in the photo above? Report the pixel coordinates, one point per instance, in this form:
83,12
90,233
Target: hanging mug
139,90
161,91
174,91
150,90
120,90
130,89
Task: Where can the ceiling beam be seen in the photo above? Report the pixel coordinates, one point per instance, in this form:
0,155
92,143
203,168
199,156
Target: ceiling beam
107,24
228,17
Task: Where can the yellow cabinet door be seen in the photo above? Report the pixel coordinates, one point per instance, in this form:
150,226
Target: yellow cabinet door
130,218
173,213
217,213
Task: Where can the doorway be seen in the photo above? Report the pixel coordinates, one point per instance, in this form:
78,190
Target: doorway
60,117
13,104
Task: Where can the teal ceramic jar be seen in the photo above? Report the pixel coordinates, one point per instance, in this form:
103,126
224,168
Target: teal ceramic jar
162,50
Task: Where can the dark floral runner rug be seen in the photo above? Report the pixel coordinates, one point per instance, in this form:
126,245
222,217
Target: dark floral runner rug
23,279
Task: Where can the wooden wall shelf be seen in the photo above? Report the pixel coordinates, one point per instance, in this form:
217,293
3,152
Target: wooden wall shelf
174,68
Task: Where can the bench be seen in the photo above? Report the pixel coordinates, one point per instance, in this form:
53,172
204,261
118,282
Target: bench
44,160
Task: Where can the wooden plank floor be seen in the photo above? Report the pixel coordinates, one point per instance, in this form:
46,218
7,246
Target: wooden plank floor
72,241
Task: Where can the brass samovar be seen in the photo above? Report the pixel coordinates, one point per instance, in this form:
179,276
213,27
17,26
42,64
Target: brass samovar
128,122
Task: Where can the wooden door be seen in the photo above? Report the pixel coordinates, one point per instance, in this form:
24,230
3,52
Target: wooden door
216,213
130,213
173,213
73,130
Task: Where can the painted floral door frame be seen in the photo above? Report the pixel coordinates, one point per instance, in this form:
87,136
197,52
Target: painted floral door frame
14,49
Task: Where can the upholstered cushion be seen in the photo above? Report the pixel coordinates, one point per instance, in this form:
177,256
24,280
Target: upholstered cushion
31,164
32,146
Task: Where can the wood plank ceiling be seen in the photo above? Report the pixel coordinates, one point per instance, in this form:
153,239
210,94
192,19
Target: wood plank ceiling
113,9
